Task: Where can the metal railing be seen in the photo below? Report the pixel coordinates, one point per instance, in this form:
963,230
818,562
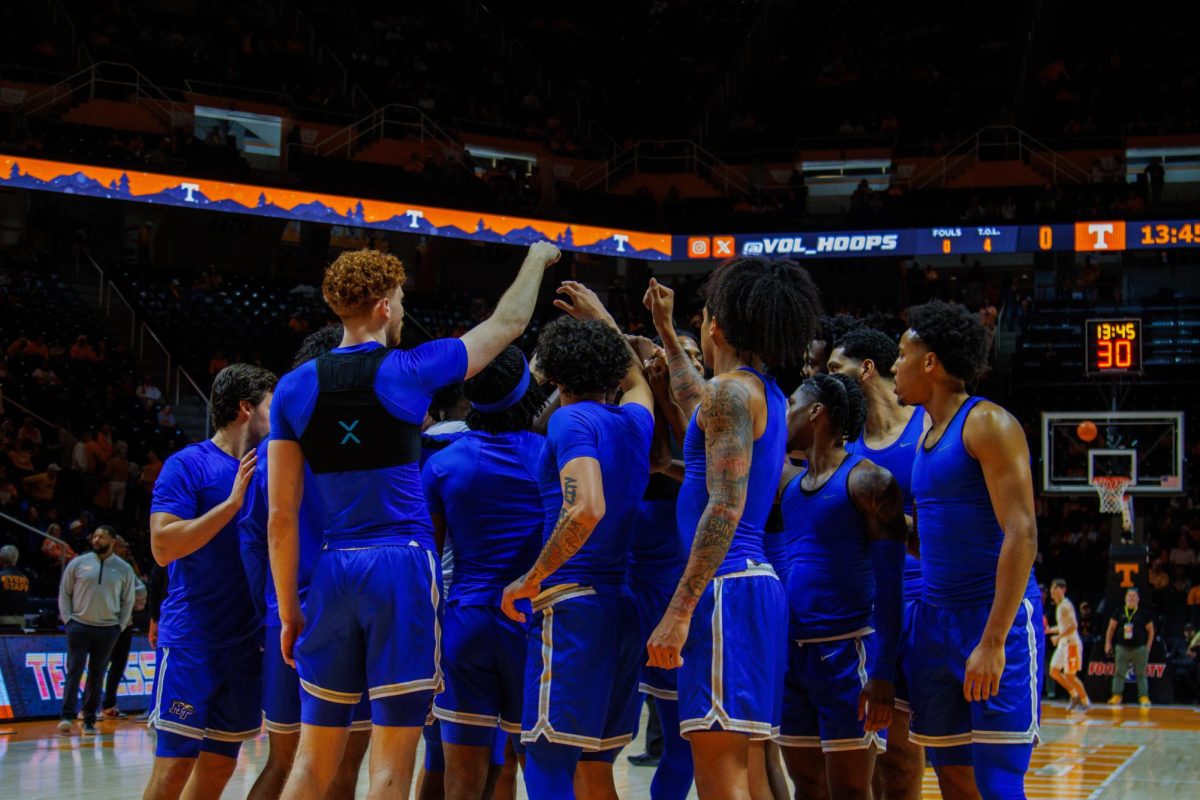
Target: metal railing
161,357
188,392
393,121
124,308
108,78
228,92
6,400
1009,143
62,545
665,157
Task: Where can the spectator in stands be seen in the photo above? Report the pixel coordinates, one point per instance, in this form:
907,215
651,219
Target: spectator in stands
116,477
29,432
95,612
82,455
1156,176
218,363
21,458
1193,603
1182,555
150,473
14,588
166,417
148,392
1134,636
81,350
40,486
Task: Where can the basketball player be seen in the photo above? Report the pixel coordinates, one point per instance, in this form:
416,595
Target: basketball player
281,686
483,490
726,623
208,688
889,439
974,665
1068,650
818,350
846,533
355,416
585,646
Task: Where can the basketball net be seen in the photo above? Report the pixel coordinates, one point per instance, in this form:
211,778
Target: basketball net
1111,489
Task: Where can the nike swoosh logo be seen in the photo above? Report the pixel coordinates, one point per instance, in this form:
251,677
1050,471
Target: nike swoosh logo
907,444
826,657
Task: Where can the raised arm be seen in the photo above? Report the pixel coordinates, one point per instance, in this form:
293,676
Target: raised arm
582,510
485,341
996,440
172,537
877,497
285,490
687,385
729,446
585,305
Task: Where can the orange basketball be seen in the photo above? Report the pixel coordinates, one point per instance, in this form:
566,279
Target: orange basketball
1086,430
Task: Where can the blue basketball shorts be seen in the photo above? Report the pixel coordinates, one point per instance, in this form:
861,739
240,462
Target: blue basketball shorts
484,659
207,699
735,656
900,682
372,628
942,640
652,599
435,756
820,695
581,669
281,692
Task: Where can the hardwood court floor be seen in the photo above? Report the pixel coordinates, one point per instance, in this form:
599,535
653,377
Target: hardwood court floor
1109,754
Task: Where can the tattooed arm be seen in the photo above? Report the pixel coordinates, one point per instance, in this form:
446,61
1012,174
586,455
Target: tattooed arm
688,386
729,444
581,512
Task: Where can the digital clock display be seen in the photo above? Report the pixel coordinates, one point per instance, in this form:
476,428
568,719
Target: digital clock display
1179,234
1114,346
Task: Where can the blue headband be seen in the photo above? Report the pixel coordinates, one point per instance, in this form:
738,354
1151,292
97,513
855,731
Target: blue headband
509,400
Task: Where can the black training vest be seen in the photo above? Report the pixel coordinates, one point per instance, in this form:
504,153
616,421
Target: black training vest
350,429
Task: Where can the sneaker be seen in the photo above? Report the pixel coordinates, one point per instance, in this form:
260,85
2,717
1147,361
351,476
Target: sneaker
89,729
1144,701
1115,700
644,760
79,716
1073,704
64,726
114,713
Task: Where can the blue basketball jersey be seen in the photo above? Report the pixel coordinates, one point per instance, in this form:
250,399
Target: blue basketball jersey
619,438
486,487
831,585
252,533
960,536
657,555
209,603
765,467
365,507
897,458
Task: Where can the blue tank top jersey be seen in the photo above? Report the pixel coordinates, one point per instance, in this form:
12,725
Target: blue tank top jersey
766,465
831,585
619,438
897,458
658,555
252,532
960,536
209,603
486,487
376,506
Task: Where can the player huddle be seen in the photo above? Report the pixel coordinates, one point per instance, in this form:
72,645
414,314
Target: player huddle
608,507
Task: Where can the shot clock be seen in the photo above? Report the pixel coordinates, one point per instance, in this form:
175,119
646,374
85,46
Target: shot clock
1114,346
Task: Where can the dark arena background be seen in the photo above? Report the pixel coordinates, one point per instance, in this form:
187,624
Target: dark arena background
176,176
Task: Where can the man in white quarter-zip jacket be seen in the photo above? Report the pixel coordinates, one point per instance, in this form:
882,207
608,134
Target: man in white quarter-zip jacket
95,601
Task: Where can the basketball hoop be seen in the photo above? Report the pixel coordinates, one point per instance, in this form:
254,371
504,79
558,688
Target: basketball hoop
1111,489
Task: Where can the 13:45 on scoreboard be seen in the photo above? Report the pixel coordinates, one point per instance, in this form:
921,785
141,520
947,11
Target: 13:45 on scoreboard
1113,346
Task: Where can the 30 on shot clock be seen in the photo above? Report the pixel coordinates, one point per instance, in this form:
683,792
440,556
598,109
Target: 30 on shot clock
1114,346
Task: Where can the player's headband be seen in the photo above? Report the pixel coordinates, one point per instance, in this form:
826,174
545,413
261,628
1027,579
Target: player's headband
512,398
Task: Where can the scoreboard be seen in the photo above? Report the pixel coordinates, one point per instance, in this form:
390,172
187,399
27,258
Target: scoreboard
1113,346
1101,236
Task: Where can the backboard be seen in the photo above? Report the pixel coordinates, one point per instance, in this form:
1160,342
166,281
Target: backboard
1146,445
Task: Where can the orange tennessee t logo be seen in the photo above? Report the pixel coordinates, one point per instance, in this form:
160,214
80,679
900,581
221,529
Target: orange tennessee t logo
1126,570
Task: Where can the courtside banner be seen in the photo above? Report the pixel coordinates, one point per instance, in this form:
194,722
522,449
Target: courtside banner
266,201
33,671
